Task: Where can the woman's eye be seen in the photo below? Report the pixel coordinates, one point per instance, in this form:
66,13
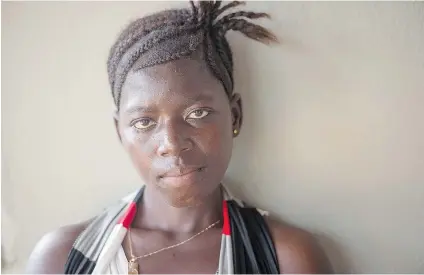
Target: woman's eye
199,113
143,123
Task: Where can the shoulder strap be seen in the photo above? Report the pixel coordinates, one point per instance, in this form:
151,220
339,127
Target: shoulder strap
253,248
88,247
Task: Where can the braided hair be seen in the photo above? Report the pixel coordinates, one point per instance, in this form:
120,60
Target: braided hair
171,34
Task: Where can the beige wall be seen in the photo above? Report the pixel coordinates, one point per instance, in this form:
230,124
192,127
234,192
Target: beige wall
333,138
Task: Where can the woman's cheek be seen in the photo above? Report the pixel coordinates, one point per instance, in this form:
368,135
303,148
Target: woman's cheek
211,138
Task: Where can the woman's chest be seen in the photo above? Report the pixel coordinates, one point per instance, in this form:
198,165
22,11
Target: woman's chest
177,262
199,256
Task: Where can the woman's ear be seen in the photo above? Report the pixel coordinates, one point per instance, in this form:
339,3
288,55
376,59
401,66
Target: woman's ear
236,113
116,121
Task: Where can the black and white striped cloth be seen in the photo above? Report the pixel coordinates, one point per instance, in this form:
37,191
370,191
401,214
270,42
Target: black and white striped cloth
246,244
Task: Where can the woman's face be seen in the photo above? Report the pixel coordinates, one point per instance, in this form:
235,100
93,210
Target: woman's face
177,123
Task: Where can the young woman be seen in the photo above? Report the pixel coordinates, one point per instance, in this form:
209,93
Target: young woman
171,77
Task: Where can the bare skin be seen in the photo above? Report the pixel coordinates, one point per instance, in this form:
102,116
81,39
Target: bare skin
297,251
176,123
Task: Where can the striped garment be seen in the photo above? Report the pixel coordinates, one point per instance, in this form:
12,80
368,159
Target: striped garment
246,244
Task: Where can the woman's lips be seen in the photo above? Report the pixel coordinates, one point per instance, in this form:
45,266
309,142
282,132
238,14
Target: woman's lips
182,176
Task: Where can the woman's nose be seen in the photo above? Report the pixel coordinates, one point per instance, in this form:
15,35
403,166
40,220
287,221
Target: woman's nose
174,140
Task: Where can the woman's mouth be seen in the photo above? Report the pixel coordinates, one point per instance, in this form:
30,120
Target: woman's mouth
182,176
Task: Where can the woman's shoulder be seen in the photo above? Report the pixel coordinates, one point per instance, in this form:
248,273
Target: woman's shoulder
297,250
51,251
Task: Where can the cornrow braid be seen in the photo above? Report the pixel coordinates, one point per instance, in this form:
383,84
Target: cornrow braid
251,30
231,5
172,34
138,29
247,14
224,52
140,47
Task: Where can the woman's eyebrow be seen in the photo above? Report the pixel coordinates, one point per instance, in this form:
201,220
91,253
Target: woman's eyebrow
203,97
138,109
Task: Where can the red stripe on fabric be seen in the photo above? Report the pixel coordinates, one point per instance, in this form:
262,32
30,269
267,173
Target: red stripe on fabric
226,229
129,215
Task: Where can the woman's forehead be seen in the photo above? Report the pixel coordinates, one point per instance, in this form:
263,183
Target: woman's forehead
183,79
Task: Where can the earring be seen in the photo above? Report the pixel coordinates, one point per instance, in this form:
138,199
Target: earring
235,132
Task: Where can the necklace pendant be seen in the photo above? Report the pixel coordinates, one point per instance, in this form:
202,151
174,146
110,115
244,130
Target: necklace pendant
132,267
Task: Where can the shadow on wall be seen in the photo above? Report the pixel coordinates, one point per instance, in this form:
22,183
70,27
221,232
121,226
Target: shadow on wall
336,253
244,77
8,241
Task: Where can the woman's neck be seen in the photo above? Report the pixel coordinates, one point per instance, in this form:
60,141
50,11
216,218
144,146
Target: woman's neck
155,213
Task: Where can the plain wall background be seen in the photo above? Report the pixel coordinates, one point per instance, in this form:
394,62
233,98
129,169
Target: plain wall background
333,139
